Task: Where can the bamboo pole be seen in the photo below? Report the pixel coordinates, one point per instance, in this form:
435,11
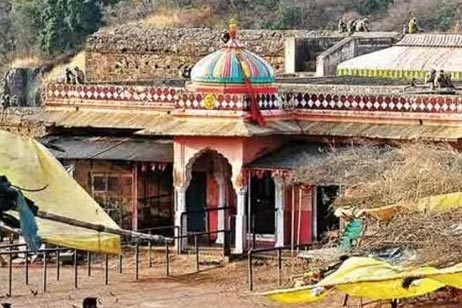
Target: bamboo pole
101,228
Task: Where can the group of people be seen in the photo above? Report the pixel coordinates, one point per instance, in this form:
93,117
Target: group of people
362,25
7,100
75,76
354,25
438,79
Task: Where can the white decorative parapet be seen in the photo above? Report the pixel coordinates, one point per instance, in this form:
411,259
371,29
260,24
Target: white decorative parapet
177,98
123,93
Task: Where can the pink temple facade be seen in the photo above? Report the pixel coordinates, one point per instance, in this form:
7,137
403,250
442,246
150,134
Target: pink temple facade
215,166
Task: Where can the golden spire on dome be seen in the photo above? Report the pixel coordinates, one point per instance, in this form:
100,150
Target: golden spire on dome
233,27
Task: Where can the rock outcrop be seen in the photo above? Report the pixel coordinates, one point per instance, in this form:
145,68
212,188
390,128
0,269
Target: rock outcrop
21,87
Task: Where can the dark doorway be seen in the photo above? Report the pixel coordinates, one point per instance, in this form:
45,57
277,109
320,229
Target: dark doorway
325,218
263,206
196,202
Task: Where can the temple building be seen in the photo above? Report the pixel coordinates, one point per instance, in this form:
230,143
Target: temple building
218,151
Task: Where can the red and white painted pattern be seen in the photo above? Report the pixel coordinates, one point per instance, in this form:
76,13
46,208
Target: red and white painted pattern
181,99
425,104
112,92
220,102
228,102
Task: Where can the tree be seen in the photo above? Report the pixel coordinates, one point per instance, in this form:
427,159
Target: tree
54,31
67,23
6,36
26,23
367,7
289,17
82,18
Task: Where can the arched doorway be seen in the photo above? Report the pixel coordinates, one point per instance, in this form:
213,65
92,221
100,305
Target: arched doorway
209,191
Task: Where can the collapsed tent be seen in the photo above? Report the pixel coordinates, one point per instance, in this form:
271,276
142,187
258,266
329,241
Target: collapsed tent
28,164
373,279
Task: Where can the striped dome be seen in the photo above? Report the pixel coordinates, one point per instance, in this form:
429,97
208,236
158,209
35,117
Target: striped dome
230,65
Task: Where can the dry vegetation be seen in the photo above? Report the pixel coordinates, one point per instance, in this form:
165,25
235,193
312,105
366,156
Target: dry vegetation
432,238
190,17
376,176
384,15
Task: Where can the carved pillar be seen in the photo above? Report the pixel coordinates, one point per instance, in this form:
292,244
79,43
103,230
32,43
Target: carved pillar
280,206
240,221
180,220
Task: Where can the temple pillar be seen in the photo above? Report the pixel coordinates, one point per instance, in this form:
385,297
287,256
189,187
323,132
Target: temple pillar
221,203
280,206
240,221
180,220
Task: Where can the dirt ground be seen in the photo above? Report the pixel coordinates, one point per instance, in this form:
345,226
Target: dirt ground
214,286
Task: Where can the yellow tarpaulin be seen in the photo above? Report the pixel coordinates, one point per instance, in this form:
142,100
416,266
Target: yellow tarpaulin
386,213
28,164
297,296
374,279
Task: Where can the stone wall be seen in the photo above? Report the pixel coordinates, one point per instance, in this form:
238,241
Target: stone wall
22,120
134,53
21,87
348,48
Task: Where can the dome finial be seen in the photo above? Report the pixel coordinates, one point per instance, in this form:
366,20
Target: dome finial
233,25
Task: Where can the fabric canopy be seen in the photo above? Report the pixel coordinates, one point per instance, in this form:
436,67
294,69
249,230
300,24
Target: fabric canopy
374,279
413,57
28,164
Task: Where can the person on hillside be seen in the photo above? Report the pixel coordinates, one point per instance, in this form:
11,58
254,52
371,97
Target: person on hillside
70,76
430,78
184,71
342,26
362,25
79,75
443,80
225,37
413,27
351,26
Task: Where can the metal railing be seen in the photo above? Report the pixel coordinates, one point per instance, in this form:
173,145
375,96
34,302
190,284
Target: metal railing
47,253
252,253
82,259
176,230
226,243
206,212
